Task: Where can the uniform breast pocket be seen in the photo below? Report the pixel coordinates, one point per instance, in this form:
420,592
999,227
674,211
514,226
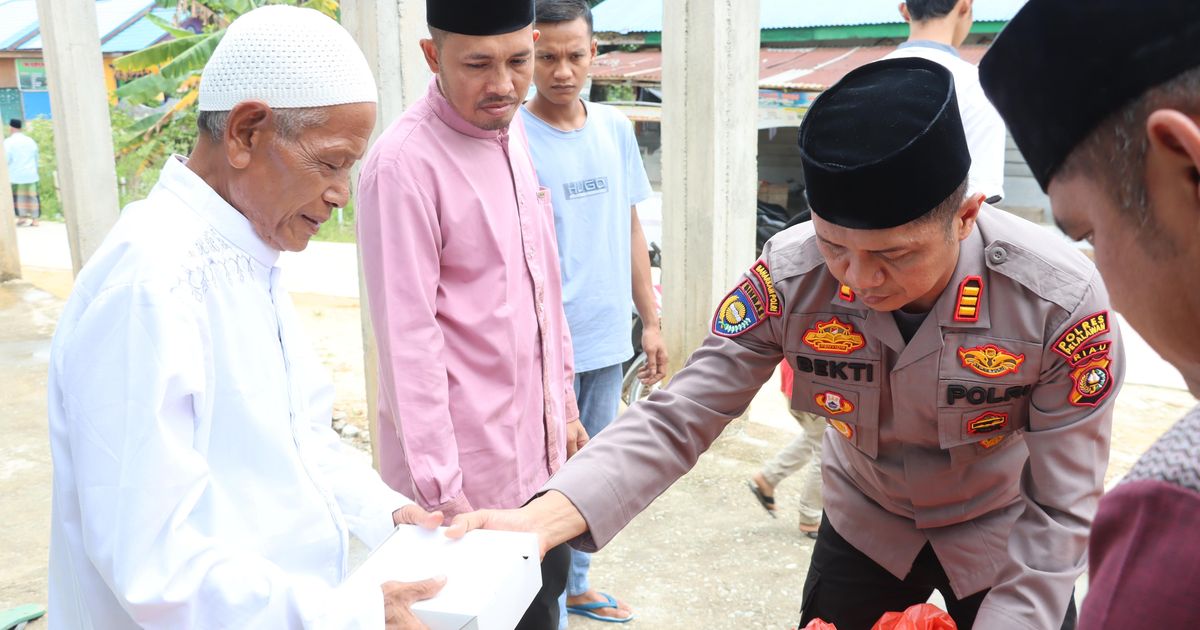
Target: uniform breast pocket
852,411
971,433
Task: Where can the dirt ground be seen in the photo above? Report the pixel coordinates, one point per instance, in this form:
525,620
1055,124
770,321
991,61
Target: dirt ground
704,555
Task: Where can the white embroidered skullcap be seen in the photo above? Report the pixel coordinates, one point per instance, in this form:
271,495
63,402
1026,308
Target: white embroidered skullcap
287,57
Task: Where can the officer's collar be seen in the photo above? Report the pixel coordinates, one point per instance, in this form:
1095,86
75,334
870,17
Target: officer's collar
971,271
956,308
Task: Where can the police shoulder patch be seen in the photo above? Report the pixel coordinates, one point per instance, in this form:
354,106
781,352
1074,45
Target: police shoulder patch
739,312
1091,382
970,295
1080,333
773,305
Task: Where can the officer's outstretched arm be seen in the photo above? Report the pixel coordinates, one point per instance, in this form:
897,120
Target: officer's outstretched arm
660,439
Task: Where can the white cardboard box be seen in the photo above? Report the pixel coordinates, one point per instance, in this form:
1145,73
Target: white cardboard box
491,576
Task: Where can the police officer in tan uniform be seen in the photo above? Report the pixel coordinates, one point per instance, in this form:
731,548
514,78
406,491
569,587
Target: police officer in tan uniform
966,359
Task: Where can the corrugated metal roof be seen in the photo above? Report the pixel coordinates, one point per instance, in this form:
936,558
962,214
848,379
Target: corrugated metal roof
18,18
139,35
807,69
640,16
120,23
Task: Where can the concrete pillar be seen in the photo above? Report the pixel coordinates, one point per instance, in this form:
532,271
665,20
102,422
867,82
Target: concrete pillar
82,129
388,31
10,256
710,152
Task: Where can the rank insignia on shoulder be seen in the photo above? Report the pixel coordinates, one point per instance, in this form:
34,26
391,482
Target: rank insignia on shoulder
970,295
834,337
1092,382
846,293
846,430
740,311
988,422
990,360
774,306
834,403
1080,333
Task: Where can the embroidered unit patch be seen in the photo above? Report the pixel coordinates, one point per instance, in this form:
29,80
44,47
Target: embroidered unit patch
1083,331
846,293
846,430
988,422
992,441
834,403
990,360
834,337
970,295
774,306
1093,382
741,311
1098,349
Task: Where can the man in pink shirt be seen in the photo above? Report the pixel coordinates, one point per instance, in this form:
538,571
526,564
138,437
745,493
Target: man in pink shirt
476,406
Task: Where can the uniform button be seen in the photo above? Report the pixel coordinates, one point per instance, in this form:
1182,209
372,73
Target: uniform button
998,255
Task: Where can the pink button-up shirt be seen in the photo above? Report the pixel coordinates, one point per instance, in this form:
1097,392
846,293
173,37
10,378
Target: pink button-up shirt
458,246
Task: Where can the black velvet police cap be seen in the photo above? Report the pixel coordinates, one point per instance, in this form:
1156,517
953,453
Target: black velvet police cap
1061,67
885,145
479,17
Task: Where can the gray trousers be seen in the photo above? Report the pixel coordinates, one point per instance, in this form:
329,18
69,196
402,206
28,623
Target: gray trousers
803,455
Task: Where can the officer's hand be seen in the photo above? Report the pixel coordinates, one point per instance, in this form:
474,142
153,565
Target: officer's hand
412,514
398,598
655,367
551,516
576,437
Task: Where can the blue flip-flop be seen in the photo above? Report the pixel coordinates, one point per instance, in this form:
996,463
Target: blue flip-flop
19,616
588,610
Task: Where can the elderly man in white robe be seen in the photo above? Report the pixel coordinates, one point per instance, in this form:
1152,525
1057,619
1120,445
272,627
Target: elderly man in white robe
197,481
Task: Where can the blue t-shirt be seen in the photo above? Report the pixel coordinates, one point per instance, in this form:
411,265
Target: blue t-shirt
595,175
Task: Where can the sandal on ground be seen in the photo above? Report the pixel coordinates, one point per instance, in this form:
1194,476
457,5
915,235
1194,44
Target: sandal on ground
589,610
16,618
768,503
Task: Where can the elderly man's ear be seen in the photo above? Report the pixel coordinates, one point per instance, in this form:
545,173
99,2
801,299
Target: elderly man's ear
1173,168
250,125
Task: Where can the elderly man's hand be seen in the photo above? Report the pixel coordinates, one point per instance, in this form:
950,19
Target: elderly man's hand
398,598
577,437
413,514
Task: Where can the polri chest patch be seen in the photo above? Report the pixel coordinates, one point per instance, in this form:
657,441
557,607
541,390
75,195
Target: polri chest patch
834,337
990,360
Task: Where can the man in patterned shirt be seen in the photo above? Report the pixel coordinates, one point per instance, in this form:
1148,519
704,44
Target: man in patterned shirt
1114,137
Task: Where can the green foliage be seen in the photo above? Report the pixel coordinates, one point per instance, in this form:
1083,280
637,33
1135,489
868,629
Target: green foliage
137,170
42,132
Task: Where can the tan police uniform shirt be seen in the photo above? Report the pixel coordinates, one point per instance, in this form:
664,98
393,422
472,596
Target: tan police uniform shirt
986,435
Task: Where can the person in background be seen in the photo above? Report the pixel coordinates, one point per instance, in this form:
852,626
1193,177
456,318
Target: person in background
1112,134
587,156
21,154
937,28
476,400
197,480
802,454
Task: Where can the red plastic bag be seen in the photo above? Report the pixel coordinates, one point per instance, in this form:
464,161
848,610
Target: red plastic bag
919,617
817,624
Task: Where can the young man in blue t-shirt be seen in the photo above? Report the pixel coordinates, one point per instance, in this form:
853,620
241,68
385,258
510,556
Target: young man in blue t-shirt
588,157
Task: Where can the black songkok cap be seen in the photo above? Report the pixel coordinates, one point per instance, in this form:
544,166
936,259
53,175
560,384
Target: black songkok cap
15,123
1061,67
479,17
885,145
